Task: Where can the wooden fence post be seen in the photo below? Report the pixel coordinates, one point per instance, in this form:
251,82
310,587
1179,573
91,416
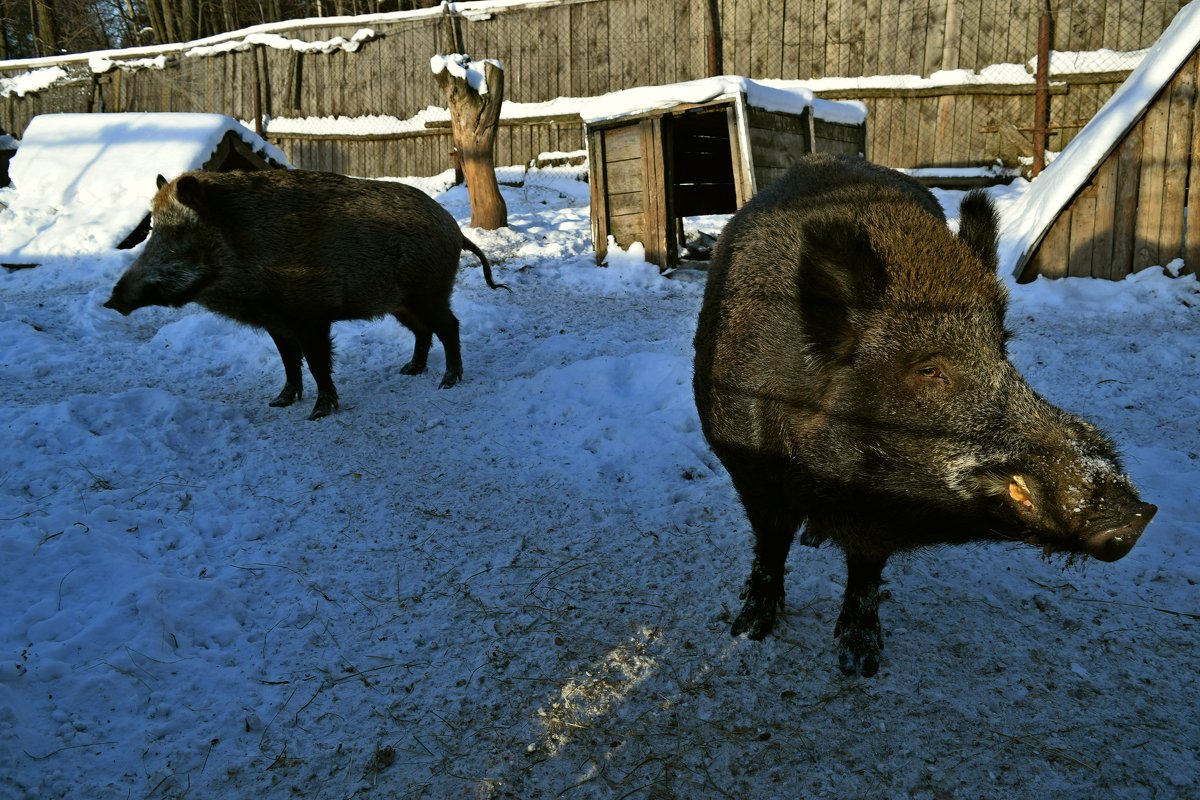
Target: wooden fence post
1041,105
258,92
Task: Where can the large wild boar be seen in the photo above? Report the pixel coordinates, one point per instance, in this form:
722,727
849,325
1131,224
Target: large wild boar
851,375
292,252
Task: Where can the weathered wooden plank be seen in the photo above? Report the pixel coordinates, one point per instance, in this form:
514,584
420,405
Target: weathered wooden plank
818,55
928,154
935,36
1191,251
1152,185
742,163
625,176
627,229
1129,167
598,190
660,228
1083,228
777,149
1054,252
1181,101
1105,183
622,143
774,121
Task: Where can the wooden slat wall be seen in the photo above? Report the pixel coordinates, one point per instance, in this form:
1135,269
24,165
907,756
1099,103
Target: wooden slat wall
1132,213
578,48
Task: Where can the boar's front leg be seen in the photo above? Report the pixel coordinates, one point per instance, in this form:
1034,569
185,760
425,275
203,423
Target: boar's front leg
859,636
292,356
318,352
774,528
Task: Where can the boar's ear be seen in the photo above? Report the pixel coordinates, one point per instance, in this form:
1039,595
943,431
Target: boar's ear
191,192
977,228
160,181
840,277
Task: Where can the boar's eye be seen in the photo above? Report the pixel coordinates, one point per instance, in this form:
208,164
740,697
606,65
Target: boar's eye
931,374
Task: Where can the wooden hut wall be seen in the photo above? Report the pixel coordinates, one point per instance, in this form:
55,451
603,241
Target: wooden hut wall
1131,214
776,142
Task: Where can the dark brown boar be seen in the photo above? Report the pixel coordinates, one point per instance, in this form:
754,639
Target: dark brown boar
851,374
292,252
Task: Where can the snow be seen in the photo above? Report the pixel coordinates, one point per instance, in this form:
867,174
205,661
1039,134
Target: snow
31,82
83,182
791,97
277,42
522,586
1075,165
462,67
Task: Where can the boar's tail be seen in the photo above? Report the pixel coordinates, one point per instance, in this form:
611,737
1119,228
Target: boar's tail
487,266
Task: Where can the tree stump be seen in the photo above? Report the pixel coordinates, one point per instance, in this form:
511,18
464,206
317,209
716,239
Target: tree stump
475,91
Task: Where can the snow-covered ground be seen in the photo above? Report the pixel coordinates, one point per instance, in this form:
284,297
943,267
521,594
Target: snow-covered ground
521,587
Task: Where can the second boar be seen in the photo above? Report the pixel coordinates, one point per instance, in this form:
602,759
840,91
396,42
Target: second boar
292,252
851,374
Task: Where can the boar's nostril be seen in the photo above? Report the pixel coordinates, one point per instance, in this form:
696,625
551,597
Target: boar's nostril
1113,543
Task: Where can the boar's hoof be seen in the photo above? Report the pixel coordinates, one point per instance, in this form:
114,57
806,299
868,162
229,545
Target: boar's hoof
412,368
324,407
859,648
287,396
757,618
450,378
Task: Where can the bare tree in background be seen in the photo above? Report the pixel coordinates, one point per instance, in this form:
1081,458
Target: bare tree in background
32,28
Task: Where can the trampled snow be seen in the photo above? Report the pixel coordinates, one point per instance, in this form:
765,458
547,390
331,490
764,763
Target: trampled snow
522,586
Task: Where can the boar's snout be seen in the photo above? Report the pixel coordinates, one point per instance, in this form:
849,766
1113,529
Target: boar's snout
1117,539
117,304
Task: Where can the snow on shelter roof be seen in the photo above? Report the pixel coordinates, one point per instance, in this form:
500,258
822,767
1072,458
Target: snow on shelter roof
83,182
1035,211
790,97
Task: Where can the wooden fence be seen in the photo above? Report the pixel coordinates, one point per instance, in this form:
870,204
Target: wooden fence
580,48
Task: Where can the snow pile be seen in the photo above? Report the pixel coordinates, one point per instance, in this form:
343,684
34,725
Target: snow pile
83,182
278,42
100,64
791,97
31,82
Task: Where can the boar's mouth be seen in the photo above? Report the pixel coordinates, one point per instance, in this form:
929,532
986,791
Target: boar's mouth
1106,536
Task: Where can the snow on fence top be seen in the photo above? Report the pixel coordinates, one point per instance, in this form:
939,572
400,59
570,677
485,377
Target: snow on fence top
1050,192
82,182
789,97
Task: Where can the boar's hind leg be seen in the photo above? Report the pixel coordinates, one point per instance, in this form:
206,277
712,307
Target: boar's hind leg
859,636
774,528
424,326
292,356
318,352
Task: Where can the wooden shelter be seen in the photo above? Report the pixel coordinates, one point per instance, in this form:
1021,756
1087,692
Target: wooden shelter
704,150
1116,200
83,183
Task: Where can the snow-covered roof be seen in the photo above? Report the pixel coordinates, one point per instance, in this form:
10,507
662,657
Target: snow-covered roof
96,172
790,97
1055,187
